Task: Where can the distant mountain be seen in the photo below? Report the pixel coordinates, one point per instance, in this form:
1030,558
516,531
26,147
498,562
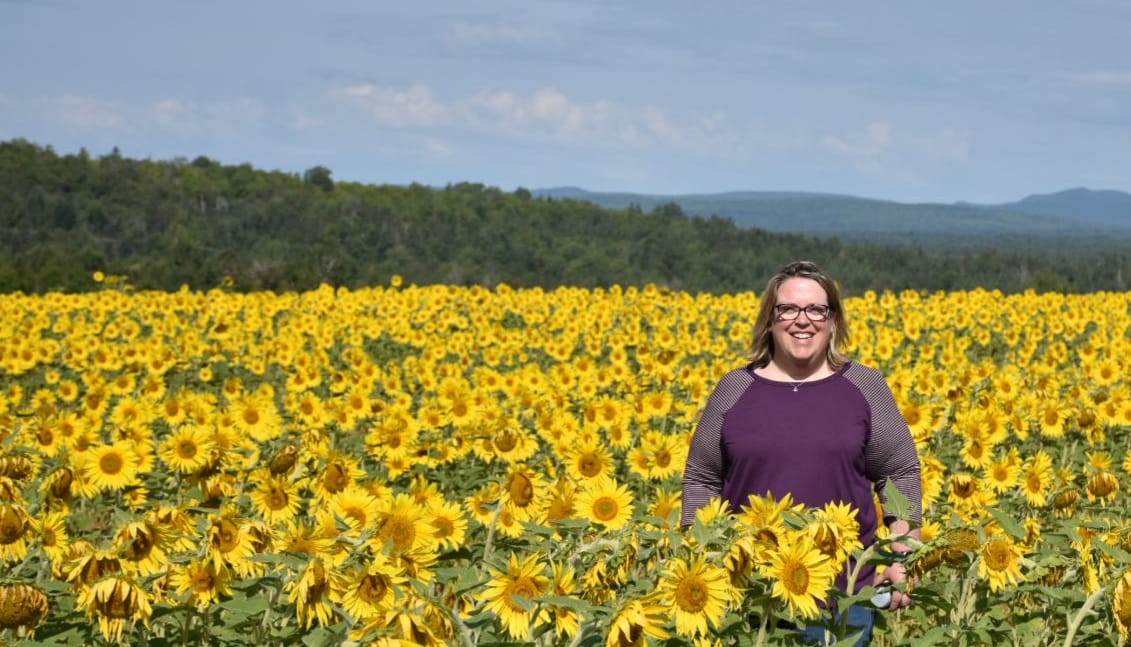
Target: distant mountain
1101,207
879,221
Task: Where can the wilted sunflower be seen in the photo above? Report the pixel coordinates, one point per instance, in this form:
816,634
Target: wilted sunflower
521,580
696,593
22,606
114,600
802,575
1121,605
638,623
311,595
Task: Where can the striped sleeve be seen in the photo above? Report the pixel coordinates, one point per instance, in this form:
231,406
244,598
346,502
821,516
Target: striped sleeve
706,460
890,454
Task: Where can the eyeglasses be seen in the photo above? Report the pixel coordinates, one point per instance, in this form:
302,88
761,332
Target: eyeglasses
790,311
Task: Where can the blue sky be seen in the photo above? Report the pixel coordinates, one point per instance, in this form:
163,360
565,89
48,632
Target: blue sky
910,101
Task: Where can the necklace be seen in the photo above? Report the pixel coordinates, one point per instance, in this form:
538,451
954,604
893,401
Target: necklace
797,384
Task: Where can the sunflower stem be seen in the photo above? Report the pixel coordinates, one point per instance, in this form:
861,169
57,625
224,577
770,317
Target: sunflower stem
1084,611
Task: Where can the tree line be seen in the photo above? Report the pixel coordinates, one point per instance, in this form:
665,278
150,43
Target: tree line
165,224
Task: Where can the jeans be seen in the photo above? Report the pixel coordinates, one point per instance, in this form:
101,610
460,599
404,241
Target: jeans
859,618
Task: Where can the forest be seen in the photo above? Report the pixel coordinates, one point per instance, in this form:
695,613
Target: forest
164,224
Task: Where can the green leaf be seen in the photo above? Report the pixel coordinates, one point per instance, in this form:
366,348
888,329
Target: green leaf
246,606
573,604
1008,524
320,637
895,504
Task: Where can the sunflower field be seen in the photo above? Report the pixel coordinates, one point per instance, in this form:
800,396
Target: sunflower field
437,465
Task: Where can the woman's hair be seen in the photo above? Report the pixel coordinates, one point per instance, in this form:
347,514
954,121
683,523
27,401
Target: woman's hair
762,344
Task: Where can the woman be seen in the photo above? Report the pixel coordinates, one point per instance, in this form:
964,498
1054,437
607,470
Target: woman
803,419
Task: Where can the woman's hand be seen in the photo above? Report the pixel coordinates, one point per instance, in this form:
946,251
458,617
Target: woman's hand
894,575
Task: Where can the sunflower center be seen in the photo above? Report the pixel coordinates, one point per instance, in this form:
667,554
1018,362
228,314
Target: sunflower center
691,595
825,540
605,508
336,478
506,440
139,548
444,527
372,588
186,449
401,531
521,588
276,498
997,555
251,416
589,464
663,458
795,578
228,536
111,463
521,490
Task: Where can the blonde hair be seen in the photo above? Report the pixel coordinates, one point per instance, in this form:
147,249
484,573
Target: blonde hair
762,344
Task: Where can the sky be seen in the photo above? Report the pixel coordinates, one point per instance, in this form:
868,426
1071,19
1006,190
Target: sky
910,101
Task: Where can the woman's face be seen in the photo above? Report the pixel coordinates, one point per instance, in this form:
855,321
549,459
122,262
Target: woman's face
802,341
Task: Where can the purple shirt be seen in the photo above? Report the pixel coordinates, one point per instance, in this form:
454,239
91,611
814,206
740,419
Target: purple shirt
837,439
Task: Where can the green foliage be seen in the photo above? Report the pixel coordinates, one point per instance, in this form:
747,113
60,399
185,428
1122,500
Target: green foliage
165,224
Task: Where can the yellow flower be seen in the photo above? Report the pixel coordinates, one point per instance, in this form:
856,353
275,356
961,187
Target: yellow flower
368,593
310,595
111,467
1121,605
637,622
801,574
202,582
696,593
521,580
603,501
188,449
115,600
1000,562
276,500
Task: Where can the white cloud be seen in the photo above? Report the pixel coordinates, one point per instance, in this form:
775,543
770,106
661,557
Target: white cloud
187,116
412,107
547,114
84,112
879,140
438,148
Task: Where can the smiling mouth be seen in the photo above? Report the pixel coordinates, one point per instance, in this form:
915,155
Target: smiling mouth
804,335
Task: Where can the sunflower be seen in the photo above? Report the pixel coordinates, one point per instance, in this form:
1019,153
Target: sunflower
15,525
143,545
638,622
449,524
50,533
311,595
667,506
1121,605
201,582
229,543
402,526
1000,562
356,507
276,500
589,460
835,532
114,600
22,607
368,593
802,576
1037,478
111,467
256,416
188,449
696,593
521,580
603,501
